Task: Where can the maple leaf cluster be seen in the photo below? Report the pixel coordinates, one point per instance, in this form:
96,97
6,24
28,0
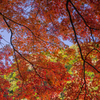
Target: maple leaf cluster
37,64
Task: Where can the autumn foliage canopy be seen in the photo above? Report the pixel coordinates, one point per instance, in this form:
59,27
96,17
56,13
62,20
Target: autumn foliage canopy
37,64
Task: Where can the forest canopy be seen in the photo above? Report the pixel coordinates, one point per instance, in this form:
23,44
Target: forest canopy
36,64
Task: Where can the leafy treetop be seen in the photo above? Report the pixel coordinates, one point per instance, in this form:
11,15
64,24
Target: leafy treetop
44,67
